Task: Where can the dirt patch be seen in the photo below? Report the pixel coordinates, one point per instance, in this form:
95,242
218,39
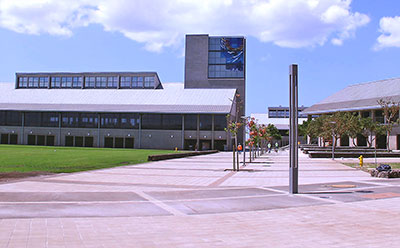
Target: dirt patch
12,176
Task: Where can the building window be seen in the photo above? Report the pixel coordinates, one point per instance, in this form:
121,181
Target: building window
109,121
88,120
171,122
49,119
55,82
149,82
190,122
43,82
2,118
70,120
137,82
13,118
77,82
90,82
22,82
33,82
66,82
101,82
226,57
379,116
220,122
205,122
151,121
130,121
125,82
33,119
112,82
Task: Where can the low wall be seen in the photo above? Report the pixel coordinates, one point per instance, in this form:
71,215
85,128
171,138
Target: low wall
338,154
178,155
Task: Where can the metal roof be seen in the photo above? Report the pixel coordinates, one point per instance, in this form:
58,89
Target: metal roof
172,99
358,97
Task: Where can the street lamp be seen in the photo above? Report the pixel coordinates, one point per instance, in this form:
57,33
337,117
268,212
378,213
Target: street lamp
333,140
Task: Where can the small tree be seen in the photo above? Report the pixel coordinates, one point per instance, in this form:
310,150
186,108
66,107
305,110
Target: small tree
233,128
391,113
370,129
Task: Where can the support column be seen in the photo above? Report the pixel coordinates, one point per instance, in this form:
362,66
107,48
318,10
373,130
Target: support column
23,129
59,128
198,133
183,132
212,132
98,129
140,131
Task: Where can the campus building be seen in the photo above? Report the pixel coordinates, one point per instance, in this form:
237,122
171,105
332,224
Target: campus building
129,109
279,117
362,99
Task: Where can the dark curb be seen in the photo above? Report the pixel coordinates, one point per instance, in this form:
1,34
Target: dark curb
178,155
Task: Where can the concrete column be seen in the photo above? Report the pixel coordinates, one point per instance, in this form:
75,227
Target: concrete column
22,129
59,128
212,132
140,129
98,129
183,132
198,133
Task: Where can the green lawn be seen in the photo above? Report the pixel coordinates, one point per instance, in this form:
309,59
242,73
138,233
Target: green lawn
18,158
373,165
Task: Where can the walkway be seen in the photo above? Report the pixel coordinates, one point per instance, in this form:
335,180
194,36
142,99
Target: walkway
194,202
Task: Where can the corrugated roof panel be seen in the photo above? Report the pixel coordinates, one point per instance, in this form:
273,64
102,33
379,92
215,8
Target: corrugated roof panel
358,97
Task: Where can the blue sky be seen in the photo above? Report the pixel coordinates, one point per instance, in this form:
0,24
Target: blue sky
335,42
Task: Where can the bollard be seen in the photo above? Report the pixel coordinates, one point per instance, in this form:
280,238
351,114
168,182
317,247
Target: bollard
361,160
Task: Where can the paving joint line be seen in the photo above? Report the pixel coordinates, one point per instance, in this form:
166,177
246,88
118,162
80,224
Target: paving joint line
160,204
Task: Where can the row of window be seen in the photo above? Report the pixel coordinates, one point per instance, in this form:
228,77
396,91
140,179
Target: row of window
283,114
111,120
89,82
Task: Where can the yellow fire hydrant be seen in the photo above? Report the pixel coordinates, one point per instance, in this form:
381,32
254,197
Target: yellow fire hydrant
361,160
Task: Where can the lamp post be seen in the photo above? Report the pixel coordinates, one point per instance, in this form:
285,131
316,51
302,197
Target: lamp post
333,140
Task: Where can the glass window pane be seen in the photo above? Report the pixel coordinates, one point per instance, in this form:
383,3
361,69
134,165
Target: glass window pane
205,122
77,82
55,82
220,122
32,119
13,118
130,121
49,119
151,121
110,121
190,122
43,82
172,122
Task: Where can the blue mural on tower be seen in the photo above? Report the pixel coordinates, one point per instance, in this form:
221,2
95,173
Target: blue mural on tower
232,49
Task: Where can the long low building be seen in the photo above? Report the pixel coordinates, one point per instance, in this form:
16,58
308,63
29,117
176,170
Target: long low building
113,109
363,98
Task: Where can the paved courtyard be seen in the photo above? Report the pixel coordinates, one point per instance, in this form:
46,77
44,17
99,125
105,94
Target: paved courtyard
195,202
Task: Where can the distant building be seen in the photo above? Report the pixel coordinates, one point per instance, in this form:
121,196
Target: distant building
363,99
279,117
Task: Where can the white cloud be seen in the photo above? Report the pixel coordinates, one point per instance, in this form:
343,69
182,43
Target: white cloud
160,23
390,29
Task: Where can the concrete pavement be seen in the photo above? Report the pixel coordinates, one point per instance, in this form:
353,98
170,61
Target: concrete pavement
194,202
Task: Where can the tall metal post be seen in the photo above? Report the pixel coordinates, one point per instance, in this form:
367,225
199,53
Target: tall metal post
293,135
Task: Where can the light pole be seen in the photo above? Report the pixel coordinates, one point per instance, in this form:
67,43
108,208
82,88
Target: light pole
333,140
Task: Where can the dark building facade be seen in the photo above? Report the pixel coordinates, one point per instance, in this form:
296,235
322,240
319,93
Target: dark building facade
217,62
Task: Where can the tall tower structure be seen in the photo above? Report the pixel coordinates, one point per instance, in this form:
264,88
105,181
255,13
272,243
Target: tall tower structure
217,62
